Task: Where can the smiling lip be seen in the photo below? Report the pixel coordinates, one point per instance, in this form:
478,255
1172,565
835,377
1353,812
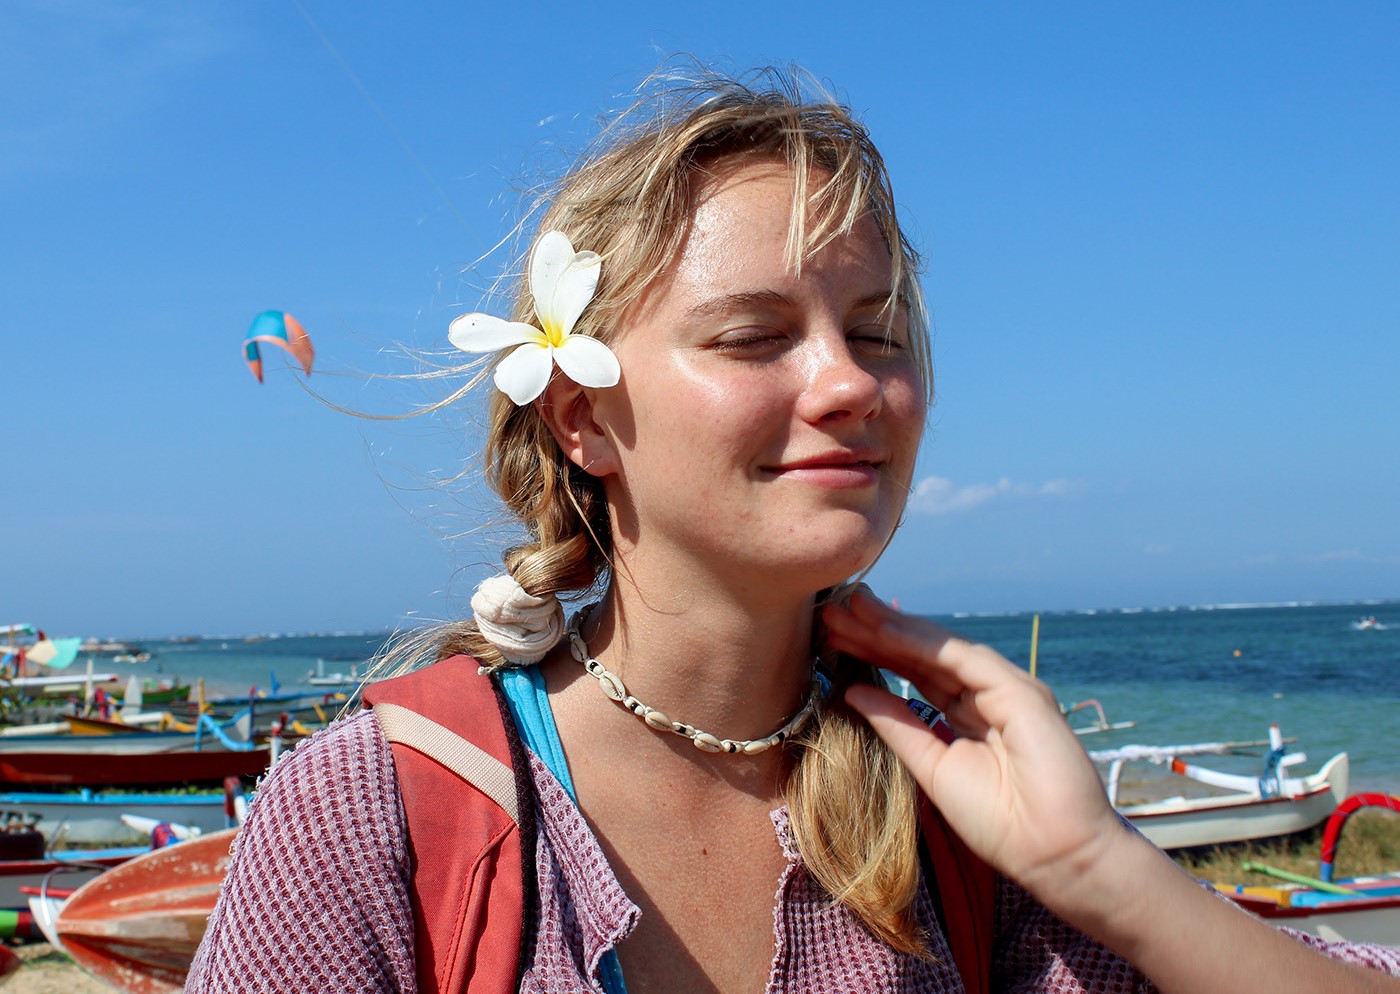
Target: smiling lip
837,470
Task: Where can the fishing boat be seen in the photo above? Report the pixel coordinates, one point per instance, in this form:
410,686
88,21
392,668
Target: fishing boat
1249,807
1352,909
92,818
58,685
76,865
164,692
1098,721
208,754
130,768
320,678
137,927
79,724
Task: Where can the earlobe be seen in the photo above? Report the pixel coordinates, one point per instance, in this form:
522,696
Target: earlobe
567,410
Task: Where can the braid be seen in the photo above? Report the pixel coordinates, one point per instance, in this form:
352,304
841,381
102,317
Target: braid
563,510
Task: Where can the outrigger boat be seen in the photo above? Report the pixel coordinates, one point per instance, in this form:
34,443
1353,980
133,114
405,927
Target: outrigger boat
1354,909
320,678
91,818
208,754
137,927
25,863
1265,806
1100,722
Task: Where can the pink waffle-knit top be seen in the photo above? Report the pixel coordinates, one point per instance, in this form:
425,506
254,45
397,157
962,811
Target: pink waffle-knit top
317,899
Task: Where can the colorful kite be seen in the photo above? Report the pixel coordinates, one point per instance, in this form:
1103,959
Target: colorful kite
280,329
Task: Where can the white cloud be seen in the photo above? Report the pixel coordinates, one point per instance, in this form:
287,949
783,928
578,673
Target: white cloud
939,495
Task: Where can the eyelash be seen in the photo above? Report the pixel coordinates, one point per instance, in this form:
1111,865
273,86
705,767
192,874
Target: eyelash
880,335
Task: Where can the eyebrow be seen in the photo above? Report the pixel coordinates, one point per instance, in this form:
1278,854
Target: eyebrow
771,298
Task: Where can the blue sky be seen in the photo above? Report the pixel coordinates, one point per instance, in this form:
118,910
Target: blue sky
1162,246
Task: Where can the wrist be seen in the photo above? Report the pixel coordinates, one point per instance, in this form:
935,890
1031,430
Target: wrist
1105,888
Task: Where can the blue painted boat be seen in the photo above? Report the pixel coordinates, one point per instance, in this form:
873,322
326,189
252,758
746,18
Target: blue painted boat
91,818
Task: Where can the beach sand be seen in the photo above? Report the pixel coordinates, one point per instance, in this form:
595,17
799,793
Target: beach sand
48,971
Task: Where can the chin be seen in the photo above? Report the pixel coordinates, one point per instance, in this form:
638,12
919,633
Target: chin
829,563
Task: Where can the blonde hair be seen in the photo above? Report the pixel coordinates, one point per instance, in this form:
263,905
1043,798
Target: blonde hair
629,198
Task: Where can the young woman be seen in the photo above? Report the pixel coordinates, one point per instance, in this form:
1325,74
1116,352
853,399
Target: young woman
711,397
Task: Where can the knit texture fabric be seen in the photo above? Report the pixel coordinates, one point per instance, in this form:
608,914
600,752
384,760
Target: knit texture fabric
317,899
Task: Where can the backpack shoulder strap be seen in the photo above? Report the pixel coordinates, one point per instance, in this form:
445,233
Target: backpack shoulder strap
479,768
467,799
966,888
963,885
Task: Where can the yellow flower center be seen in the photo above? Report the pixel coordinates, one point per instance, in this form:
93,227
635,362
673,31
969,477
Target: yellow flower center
553,333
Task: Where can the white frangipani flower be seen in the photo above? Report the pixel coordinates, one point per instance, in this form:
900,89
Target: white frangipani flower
562,282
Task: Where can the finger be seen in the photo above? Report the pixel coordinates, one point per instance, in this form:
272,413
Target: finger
973,685
910,739
920,661
964,717
897,635
913,647
848,635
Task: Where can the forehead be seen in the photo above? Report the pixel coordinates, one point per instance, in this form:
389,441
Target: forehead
745,220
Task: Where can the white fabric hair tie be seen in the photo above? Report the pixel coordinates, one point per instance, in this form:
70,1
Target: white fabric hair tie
522,626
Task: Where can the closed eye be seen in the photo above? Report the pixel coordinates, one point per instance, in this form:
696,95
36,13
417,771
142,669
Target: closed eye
755,339
881,335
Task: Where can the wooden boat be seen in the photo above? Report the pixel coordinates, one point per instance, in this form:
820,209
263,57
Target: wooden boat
1099,722
137,927
151,694
320,678
1253,807
58,685
209,753
129,741
141,721
130,768
70,866
1354,909
90,818
1182,822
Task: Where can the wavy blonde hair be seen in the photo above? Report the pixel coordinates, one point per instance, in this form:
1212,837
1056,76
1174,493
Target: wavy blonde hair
629,198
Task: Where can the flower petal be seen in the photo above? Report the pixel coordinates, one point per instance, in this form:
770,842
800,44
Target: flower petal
588,362
574,290
487,333
523,375
562,280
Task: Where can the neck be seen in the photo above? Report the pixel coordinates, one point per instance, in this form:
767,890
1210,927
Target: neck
715,663
721,665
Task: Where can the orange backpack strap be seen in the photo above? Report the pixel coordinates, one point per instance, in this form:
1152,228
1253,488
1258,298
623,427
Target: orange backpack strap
963,886
966,889
471,882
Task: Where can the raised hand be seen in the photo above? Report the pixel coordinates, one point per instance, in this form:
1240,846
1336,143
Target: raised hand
1015,785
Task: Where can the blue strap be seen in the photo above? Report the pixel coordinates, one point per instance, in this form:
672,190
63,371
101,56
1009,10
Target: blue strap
529,706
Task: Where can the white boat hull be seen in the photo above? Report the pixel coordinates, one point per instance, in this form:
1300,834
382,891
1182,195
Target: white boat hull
96,820
1179,823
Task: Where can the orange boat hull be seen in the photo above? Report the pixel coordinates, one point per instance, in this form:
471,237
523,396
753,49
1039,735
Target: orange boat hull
137,927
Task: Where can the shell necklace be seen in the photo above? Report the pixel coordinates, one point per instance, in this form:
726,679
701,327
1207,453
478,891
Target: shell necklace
613,686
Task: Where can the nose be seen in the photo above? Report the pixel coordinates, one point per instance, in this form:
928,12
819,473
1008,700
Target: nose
839,386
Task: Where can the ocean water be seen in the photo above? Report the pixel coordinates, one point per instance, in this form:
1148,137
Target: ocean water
1182,675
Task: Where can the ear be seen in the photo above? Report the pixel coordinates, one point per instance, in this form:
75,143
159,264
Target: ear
567,410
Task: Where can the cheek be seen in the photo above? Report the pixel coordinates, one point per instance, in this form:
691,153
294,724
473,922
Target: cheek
713,415
906,410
